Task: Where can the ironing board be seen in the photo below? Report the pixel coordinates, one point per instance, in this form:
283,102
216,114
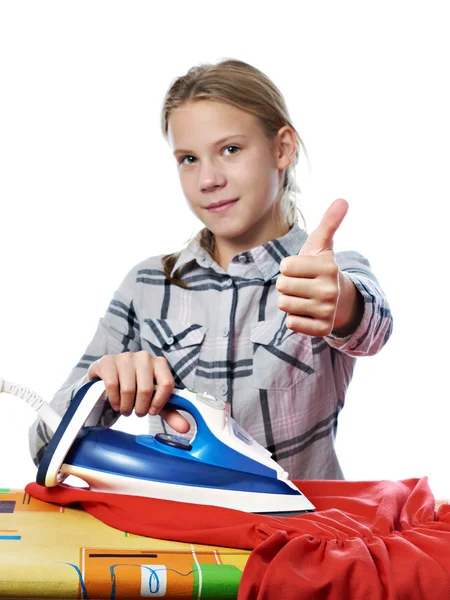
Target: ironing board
47,551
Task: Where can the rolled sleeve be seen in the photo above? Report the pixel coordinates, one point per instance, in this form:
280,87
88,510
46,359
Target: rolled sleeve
117,332
376,324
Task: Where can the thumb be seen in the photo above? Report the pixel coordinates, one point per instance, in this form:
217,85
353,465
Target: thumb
321,239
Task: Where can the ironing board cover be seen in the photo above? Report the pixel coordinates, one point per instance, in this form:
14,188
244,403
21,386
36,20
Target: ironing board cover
49,551
371,540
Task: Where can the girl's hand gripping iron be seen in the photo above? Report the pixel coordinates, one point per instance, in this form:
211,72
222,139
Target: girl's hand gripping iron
221,465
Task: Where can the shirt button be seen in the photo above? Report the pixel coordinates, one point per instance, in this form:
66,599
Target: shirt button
223,390
225,331
170,341
242,258
229,282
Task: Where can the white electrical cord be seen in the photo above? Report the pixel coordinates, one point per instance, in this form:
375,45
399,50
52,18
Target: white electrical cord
50,417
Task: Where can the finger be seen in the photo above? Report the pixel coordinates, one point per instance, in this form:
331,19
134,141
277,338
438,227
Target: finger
308,326
321,239
127,382
144,383
301,266
323,311
297,306
106,369
165,384
175,420
308,267
294,286
93,370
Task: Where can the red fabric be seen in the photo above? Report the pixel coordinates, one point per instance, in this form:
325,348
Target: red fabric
366,541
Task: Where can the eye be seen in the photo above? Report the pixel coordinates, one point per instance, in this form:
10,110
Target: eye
187,160
231,149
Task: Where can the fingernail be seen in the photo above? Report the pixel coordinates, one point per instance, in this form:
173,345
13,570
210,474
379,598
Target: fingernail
153,411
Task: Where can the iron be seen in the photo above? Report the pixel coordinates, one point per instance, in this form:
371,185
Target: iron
221,465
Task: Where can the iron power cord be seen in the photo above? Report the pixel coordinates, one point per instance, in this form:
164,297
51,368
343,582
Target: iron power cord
50,417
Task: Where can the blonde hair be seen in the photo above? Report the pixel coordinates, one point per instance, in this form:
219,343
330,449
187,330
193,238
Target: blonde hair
247,88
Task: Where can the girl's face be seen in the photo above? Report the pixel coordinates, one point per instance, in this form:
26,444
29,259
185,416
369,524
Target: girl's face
230,172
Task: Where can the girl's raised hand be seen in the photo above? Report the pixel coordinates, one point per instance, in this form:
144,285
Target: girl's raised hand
317,296
129,380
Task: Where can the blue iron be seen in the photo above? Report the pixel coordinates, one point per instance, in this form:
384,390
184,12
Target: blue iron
222,465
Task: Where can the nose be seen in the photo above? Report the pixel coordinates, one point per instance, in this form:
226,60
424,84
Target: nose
211,177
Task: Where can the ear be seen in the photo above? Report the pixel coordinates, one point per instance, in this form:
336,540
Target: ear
285,144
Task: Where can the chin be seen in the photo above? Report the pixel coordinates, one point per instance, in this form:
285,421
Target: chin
230,232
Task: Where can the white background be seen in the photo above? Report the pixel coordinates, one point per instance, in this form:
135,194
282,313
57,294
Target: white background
88,186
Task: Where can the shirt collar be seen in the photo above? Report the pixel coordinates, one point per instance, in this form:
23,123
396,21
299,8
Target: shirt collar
266,257
193,253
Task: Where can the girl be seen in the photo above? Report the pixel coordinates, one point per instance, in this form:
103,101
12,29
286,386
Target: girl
252,311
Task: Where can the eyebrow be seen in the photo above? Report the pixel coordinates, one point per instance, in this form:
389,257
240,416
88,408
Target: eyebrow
218,143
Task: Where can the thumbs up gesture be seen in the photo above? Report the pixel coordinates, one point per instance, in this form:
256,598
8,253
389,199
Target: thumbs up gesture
317,297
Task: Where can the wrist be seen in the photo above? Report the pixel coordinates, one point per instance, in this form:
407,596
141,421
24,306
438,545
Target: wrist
350,308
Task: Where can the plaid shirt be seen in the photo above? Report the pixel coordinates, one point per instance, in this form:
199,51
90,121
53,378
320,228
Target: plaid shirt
224,335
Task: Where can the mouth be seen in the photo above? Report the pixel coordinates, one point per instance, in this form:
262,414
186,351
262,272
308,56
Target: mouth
221,206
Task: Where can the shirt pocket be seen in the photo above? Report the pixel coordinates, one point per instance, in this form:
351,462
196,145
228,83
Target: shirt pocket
281,357
178,342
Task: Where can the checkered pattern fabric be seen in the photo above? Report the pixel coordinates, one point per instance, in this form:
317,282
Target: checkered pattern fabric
223,334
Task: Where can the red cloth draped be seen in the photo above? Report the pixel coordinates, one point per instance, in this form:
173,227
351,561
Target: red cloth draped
368,540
